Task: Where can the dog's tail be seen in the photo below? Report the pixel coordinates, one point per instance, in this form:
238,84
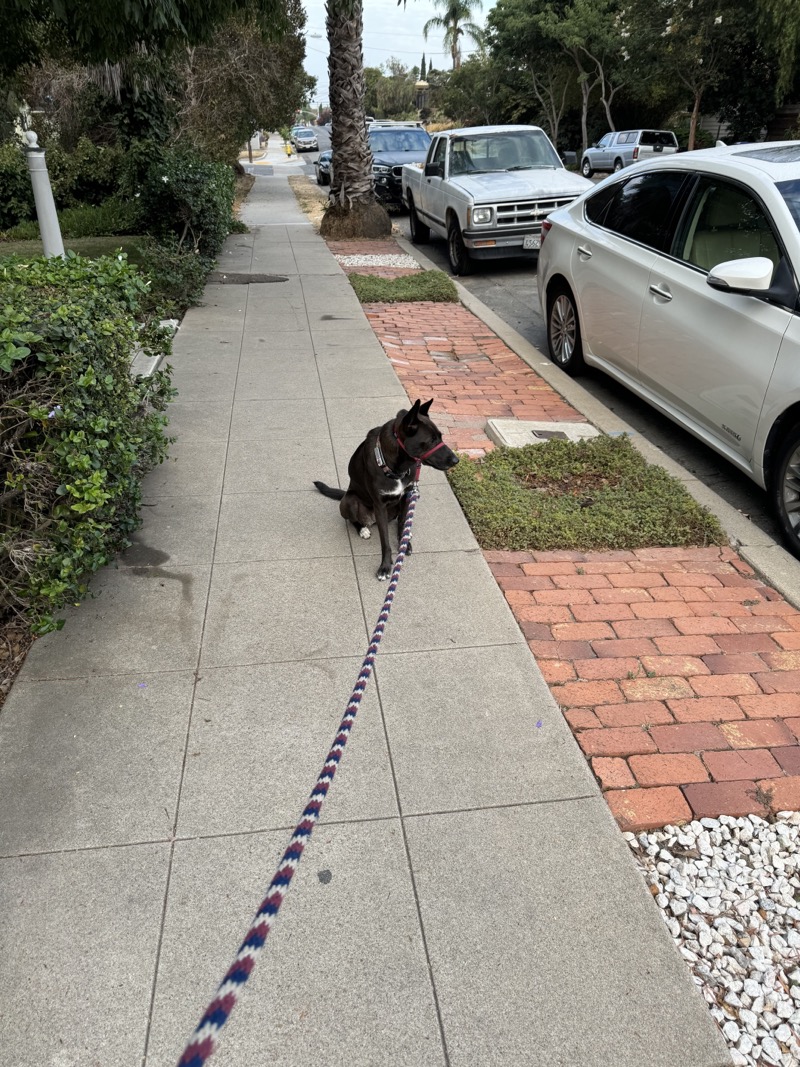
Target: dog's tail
334,494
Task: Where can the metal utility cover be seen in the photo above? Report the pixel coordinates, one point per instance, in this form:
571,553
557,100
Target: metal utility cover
514,433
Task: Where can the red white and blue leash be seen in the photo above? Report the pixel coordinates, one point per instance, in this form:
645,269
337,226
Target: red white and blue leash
204,1039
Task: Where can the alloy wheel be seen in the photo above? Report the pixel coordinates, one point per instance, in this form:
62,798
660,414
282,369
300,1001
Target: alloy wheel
563,329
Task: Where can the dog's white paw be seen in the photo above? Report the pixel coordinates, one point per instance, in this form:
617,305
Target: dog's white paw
364,532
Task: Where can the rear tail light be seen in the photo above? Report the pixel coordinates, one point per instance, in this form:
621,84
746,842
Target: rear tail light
636,152
546,228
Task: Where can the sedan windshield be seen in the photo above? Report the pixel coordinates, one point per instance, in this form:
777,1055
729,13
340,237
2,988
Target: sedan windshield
790,191
517,150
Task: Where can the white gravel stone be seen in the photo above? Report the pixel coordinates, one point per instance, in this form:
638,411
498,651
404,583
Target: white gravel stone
728,890
378,261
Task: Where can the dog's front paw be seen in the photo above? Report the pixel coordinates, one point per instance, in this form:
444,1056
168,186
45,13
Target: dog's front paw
364,532
383,573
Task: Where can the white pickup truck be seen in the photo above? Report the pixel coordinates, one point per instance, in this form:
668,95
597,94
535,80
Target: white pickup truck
486,189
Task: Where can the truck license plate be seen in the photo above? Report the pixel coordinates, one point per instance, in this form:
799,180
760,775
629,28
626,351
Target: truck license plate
533,240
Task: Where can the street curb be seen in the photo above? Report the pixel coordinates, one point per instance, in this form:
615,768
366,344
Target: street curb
766,556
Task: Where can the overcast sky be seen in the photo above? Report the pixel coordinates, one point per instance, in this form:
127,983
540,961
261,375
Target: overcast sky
389,31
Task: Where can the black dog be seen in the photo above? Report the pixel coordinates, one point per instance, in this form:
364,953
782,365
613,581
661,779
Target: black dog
382,472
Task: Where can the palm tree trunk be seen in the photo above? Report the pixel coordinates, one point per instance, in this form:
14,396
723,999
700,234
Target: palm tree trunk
353,206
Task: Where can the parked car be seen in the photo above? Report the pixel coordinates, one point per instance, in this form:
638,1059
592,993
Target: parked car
617,150
305,140
487,190
322,167
679,278
393,145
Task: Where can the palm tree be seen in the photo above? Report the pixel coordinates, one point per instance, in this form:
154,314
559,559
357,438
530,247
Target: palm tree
454,20
353,211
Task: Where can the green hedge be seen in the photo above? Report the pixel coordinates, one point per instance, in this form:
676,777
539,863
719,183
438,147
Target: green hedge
89,175
114,216
179,194
77,433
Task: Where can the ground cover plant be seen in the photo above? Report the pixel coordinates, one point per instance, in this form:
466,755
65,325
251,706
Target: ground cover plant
595,494
432,285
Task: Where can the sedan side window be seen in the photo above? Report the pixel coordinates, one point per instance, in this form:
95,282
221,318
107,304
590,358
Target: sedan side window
641,208
724,222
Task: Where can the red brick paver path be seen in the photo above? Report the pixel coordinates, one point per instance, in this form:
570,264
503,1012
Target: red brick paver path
445,352
677,669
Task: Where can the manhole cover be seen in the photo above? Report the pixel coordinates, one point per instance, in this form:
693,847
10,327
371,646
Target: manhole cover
226,278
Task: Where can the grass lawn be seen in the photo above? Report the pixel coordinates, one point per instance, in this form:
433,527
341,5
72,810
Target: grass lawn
91,247
596,494
427,285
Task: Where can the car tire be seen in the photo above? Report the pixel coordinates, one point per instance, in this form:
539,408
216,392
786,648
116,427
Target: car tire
420,233
618,164
587,170
460,263
564,332
785,490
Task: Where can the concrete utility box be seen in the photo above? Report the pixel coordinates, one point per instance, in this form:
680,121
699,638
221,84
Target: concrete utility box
513,433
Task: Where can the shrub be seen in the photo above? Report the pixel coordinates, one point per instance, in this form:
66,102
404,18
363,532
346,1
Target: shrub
114,216
182,194
77,433
177,276
16,193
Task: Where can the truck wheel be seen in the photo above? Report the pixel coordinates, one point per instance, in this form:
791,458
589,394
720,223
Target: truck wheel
587,170
460,263
564,332
420,233
785,490
617,165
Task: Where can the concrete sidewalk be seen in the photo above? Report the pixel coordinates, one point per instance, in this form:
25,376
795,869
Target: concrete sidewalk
467,899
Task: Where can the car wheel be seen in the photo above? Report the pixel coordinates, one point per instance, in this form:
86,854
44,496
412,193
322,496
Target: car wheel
785,490
460,263
586,169
319,179
617,165
420,233
564,332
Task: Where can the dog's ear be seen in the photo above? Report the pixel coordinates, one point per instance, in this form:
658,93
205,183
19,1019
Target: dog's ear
410,417
425,408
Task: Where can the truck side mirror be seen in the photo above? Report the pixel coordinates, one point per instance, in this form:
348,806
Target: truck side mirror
434,170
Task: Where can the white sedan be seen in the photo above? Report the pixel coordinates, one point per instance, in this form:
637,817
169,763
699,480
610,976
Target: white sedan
679,278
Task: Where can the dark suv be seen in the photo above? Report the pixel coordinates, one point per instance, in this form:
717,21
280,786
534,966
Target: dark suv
392,146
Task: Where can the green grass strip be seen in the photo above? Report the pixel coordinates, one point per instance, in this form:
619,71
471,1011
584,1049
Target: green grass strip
427,285
595,494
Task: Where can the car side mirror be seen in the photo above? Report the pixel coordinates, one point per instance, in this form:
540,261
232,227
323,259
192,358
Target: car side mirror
434,170
742,275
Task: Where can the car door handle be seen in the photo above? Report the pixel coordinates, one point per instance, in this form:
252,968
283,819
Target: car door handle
584,251
662,291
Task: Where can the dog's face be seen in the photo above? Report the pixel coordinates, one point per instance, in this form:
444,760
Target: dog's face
422,439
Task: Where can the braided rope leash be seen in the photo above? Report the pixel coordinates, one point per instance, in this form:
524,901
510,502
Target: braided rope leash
203,1041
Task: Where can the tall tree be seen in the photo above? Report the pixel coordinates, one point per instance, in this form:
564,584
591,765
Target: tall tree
93,31
456,22
518,45
354,210
592,34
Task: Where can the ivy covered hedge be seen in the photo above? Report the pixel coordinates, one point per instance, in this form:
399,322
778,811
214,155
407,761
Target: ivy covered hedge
77,432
